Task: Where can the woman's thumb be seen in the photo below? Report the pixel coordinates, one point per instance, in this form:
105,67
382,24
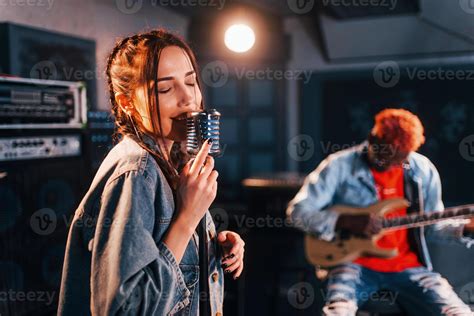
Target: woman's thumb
221,237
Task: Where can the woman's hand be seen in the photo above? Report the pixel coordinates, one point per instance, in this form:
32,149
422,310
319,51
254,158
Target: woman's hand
197,187
233,249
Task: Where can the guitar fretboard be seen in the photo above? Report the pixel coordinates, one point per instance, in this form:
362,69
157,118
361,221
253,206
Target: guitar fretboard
416,220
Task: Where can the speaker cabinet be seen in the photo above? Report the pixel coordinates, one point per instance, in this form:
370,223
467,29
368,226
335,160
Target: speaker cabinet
38,199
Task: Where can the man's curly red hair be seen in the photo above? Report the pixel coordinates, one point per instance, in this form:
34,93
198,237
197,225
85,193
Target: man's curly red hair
399,128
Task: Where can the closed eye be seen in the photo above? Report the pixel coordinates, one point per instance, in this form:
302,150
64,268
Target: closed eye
164,90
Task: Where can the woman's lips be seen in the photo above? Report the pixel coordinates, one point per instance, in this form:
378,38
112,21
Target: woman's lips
181,117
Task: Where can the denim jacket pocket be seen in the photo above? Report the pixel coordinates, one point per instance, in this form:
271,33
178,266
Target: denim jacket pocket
190,273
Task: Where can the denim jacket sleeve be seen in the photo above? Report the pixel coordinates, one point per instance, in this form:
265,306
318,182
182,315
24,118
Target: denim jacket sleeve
309,211
130,273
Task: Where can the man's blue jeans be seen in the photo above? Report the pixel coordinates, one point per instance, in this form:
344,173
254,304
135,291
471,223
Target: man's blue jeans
417,290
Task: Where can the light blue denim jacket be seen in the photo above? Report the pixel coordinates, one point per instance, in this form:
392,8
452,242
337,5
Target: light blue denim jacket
344,178
116,262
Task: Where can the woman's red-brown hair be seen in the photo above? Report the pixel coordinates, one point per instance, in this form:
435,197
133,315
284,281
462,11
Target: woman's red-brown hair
399,128
134,62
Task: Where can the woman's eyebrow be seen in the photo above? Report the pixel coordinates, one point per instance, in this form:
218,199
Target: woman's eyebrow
189,73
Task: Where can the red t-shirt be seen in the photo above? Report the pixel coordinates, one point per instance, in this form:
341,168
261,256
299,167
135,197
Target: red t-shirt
389,184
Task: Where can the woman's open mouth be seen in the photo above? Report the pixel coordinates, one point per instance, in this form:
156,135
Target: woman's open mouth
180,118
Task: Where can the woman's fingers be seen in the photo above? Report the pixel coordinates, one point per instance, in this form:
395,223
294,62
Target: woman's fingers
237,246
239,270
208,167
200,159
187,167
231,265
232,258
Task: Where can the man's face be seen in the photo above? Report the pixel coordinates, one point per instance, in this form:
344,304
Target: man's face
384,156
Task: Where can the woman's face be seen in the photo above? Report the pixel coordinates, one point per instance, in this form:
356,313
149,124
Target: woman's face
178,93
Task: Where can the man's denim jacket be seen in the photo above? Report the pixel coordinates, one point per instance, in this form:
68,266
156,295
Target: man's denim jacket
116,262
344,178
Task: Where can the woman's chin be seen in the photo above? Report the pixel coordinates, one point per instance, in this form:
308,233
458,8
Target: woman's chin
178,136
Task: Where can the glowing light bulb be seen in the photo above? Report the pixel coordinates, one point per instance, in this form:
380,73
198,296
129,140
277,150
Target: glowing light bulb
239,38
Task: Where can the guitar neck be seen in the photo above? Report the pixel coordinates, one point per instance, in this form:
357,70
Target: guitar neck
417,220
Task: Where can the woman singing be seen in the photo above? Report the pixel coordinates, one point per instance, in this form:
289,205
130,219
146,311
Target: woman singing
132,247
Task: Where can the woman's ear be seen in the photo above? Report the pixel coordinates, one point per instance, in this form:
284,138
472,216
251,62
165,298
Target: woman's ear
124,103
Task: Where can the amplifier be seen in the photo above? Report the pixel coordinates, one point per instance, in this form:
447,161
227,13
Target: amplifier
35,103
35,147
99,137
43,177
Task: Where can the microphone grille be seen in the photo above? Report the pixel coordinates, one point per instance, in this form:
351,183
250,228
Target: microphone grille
200,127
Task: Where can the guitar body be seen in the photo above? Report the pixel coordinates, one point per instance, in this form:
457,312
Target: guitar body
338,251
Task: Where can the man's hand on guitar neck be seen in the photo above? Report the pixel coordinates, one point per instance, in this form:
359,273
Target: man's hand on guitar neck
364,225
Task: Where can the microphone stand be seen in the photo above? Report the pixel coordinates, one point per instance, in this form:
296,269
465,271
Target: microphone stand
204,299
201,126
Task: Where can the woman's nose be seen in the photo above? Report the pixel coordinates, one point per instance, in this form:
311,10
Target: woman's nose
186,96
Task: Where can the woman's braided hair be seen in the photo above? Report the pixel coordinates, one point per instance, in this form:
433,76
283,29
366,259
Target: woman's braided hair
134,61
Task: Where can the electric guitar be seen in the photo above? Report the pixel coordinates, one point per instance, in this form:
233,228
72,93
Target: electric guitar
345,249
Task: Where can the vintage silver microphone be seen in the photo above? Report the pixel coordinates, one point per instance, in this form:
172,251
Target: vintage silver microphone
200,127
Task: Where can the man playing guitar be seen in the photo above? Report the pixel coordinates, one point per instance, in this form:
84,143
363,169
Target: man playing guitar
385,167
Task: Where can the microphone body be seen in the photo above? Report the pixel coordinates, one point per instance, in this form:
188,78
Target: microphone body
200,127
